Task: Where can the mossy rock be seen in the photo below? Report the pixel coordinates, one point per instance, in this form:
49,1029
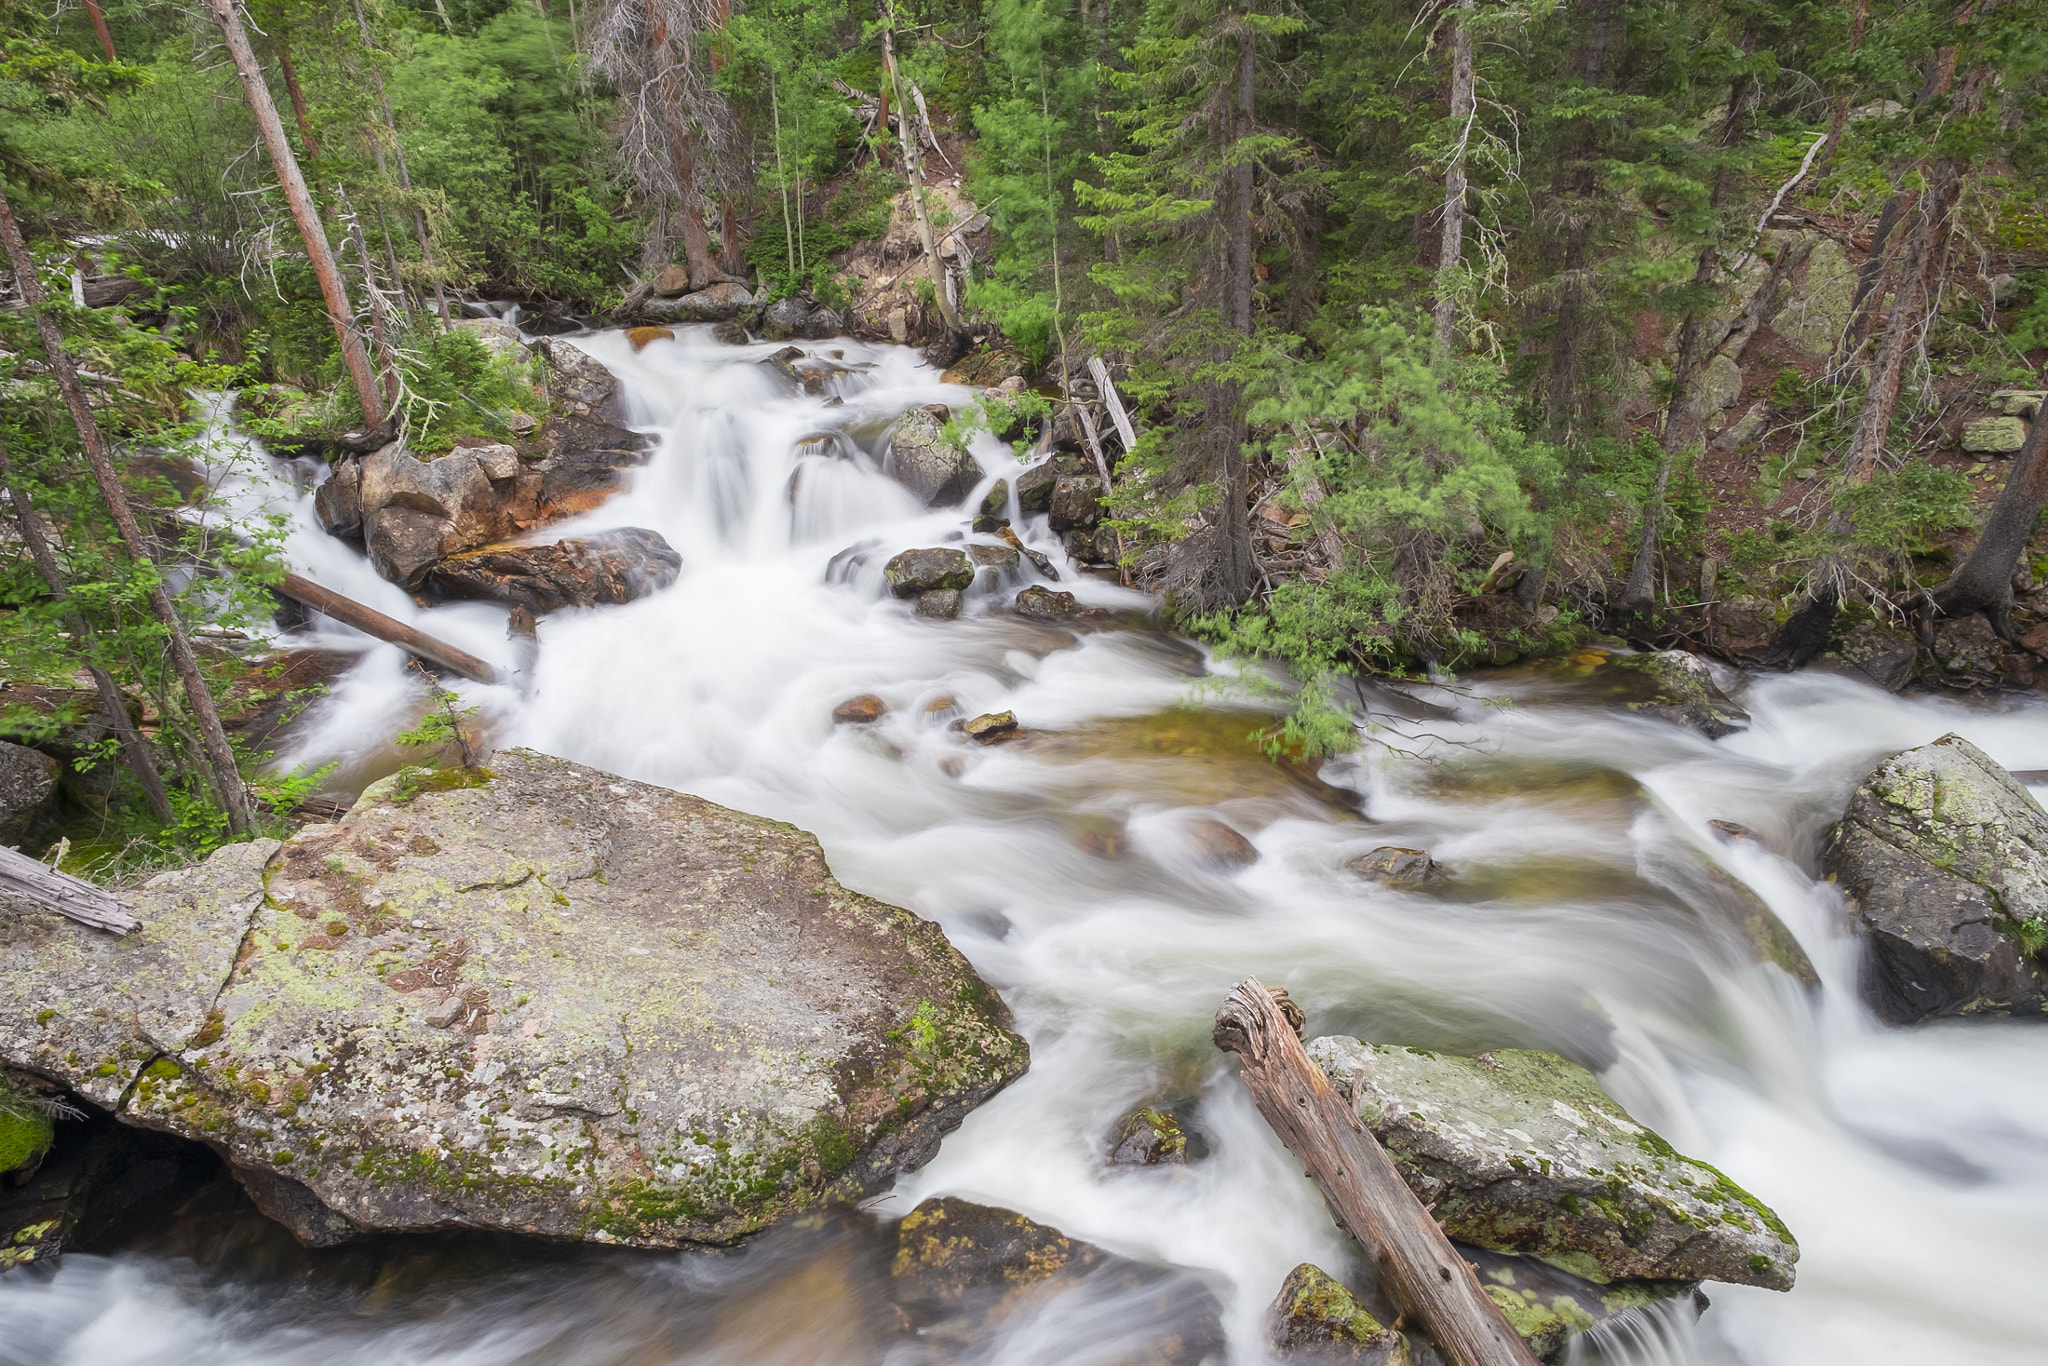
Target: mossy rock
1522,1152
1314,1318
25,1132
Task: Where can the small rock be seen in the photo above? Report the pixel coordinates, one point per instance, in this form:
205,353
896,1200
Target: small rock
2024,403
578,382
1942,857
1994,435
643,337
1684,691
1076,502
1045,604
939,604
936,469
1876,109
1001,558
730,333
1035,486
1220,845
1729,832
952,1254
1744,429
28,779
1153,1138
1873,652
1038,561
823,325
859,710
1316,1318
1404,869
996,502
991,727
785,318
2005,290
924,571
986,369
499,337
672,282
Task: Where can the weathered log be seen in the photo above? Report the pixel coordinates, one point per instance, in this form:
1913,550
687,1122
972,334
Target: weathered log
1434,1288
22,876
1114,402
370,621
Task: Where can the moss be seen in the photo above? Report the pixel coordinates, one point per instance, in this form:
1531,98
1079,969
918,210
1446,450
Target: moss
25,1133
163,1069
43,1017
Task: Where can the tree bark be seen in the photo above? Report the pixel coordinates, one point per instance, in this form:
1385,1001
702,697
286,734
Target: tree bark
300,115
99,26
1451,246
1983,582
913,168
371,622
68,896
304,214
133,748
213,738
682,158
1433,1286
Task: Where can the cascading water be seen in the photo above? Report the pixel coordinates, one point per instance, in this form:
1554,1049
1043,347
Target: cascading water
1588,918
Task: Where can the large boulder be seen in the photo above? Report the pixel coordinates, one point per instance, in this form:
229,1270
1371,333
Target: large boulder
937,470
785,318
413,512
1942,857
539,999
577,382
1813,320
1872,652
605,569
499,337
1522,1152
937,568
717,303
28,779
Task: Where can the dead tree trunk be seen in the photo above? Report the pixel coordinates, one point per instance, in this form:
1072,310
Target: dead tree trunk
682,158
1983,582
913,169
99,26
304,214
300,114
213,738
133,748
371,622
1451,245
1433,1286
23,877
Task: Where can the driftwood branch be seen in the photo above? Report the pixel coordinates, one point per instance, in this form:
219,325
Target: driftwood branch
1432,1285
1114,402
22,876
371,622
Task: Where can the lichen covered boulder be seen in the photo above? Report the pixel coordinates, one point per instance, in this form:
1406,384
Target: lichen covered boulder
1677,686
539,999
607,568
937,470
1942,857
1314,1318
1522,1152
928,570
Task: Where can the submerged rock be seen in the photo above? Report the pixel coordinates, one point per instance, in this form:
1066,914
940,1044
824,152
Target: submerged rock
1522,1152
937,470
605,569
1942,857
1405,869
1046,604
1549,1307
940,604
641,338
539,999
952,1254
1684,691
785,318
859,710
1222,846
1314,1318
923,571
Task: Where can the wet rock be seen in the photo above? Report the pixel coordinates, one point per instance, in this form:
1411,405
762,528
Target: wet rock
1549,1307
1402,869
1684,691
1942,857
940,604
1039,562
1001,558
28,779
586,463
605,569
1994,436
991,727
717,303
1314,1318
785,318
1035,487
612,947
1147,1137
1221,846
823,325
954,1256
928,570
731,333
859,710
937,470
338,502
1076,502
1045,604
1874,653
98,1177
577,382
1731,832
643,337
996,502
414,512
1521,1152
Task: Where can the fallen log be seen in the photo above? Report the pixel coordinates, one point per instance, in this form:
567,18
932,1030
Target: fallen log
371,622
1434,1288
43,885
1114,402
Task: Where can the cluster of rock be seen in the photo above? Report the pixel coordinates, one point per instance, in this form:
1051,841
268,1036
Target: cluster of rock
1942,857
735,312
537,998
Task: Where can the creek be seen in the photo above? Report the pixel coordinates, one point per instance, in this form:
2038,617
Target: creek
1590,916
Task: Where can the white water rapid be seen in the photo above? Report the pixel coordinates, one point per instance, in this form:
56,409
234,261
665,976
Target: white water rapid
1908,1162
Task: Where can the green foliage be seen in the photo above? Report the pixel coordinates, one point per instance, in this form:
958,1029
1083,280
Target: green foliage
1909,508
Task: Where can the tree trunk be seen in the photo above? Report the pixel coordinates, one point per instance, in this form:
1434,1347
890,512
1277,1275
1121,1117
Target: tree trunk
682,159
1983,582
99,26
1434,1287
913,169
133,748
371,622
298,96
303,213
1451,246
1569,343
213,739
